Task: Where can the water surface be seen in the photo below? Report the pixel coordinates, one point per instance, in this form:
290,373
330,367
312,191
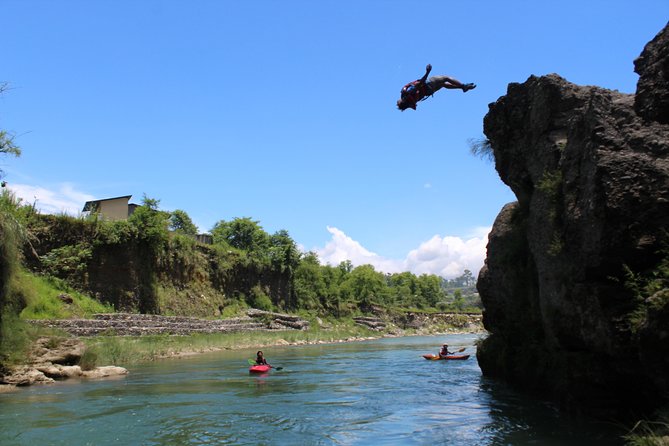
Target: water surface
373,392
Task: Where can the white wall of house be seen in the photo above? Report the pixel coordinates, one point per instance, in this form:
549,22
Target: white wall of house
114,209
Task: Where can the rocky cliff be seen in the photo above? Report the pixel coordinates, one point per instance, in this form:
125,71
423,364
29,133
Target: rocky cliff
575,281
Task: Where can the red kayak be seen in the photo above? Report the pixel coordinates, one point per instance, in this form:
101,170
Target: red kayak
259,368
452,357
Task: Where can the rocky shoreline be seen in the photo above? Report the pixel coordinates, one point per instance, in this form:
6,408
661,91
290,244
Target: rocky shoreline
54,359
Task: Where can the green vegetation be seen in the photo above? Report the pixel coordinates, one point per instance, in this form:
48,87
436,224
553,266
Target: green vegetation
7,145
51,298
126,350
139,265
181,223
649,289
551,186
75,267
550,183
16,337
66,267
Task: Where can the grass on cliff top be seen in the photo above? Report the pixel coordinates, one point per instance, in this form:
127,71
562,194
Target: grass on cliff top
41,296
127,350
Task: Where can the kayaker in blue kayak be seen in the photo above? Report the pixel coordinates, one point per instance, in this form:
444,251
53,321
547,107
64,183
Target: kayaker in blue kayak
260,358
444,351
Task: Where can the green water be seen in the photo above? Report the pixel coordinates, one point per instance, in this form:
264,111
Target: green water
376,392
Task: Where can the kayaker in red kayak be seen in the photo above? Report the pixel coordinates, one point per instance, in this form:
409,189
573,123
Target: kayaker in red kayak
444,351
260,358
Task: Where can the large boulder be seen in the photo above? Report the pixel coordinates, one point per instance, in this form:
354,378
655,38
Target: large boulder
573,302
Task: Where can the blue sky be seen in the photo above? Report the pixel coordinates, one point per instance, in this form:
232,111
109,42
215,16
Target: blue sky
285,111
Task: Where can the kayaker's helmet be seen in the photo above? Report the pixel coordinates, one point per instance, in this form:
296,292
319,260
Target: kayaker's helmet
445,345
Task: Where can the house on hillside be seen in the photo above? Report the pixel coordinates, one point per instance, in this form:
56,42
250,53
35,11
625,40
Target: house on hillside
111,208
119,208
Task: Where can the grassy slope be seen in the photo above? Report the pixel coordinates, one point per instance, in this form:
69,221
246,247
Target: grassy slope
41,295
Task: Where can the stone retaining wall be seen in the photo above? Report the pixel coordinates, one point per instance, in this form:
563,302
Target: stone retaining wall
129,324
466,321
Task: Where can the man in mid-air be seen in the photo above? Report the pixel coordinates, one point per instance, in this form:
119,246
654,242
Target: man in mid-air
420,89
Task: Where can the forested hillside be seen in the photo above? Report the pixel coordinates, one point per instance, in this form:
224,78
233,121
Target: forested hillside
152,263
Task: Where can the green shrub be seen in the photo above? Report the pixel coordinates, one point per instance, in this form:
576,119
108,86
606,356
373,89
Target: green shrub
88,360
69,262
260,300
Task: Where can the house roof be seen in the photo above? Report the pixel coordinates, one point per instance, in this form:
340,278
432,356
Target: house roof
90,205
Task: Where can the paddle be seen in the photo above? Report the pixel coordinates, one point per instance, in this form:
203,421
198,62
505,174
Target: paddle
253,362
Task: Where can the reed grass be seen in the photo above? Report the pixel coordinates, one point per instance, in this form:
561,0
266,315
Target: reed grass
128,350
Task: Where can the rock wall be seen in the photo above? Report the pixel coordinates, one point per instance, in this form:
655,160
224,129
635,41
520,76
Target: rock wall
575,301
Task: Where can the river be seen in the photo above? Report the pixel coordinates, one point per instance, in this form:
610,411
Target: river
379,392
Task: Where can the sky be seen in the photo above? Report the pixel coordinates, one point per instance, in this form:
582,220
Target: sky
284,112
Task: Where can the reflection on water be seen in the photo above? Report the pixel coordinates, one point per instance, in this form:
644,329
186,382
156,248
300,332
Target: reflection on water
374,392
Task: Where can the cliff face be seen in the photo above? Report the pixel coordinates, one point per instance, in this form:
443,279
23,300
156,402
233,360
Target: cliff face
574,285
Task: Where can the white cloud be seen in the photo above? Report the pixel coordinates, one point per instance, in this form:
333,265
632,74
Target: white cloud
64,198
342,247
446,256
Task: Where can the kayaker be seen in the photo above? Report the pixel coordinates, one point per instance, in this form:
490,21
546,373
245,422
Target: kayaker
444,351
260,358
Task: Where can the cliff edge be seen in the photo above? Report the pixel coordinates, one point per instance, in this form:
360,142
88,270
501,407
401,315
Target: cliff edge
575,281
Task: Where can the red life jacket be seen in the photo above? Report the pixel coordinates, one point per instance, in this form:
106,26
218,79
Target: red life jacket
415,91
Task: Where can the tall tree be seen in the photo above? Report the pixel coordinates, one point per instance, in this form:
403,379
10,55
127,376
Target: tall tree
242,233
365,286
430,289
310,286
181,223
284,258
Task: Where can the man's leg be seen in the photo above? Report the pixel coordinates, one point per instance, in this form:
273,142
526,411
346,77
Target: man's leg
451,83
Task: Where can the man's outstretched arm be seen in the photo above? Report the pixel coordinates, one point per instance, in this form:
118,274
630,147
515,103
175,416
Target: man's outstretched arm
428,68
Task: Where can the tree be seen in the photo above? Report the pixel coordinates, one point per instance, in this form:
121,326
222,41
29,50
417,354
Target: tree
430,289
403,288
365,286
345,266
152,236
7,145
284,258
468,278
310,286
151,203
458,300
151,223
181,223
242,233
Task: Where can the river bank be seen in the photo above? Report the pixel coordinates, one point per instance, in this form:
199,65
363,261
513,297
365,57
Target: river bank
79,356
